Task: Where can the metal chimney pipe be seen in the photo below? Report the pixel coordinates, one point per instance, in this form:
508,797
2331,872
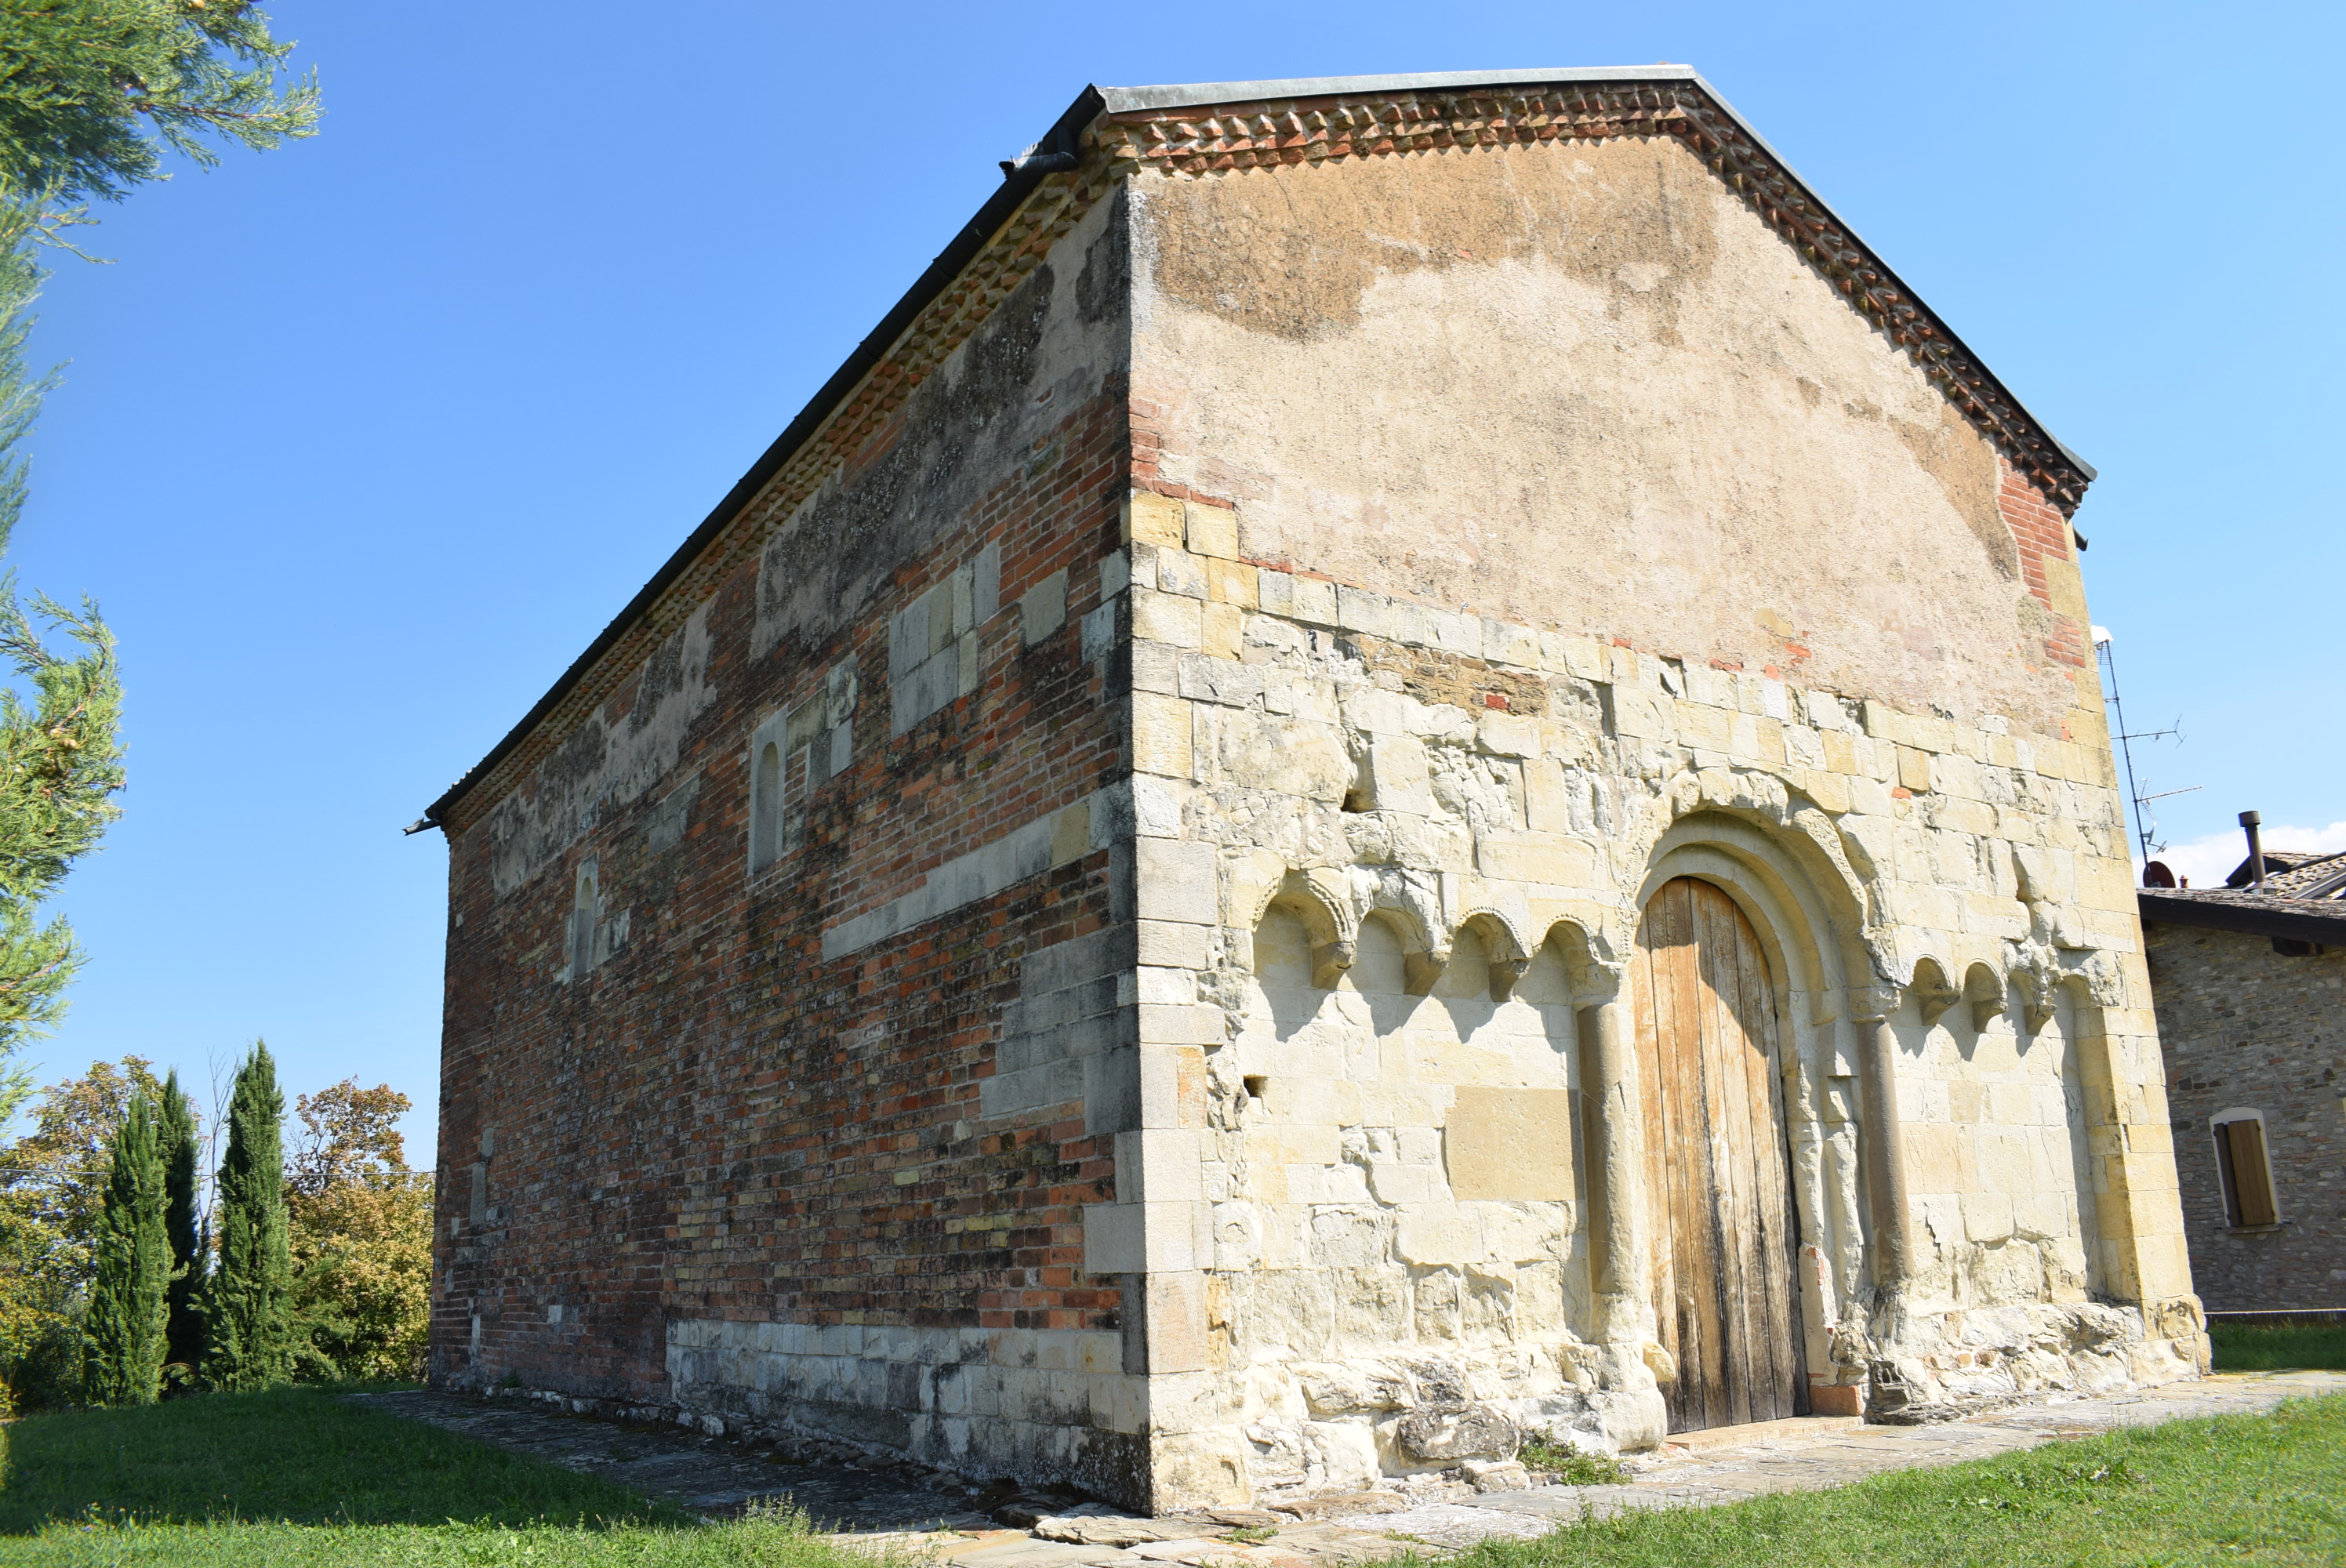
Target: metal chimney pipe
2251,822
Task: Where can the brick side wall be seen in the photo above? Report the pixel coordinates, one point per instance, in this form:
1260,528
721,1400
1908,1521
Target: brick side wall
713,1123
2243,1027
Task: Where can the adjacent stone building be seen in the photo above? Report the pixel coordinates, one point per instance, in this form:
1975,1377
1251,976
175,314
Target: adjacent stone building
1407,761
2249,984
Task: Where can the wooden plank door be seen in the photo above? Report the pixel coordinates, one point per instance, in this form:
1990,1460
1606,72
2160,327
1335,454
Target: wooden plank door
1717,1187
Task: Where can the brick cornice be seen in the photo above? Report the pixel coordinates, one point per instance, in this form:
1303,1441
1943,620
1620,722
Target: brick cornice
1208,140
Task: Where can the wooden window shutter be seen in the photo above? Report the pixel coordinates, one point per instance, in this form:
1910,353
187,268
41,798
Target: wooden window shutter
2248,1176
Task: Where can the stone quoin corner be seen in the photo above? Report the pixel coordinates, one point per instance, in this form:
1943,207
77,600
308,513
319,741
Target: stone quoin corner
1408,762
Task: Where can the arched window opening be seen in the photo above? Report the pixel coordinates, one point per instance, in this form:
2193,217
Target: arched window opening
792,754
584,911
2244,1168
766,808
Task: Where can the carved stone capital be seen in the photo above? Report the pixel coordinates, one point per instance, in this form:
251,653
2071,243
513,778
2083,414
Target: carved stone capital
1987,993
1421,970
1870,1004
1934,993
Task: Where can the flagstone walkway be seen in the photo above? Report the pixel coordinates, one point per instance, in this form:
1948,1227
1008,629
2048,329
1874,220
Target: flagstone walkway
914,1515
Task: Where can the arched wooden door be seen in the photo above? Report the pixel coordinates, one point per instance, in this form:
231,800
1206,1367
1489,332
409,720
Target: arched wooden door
1717,1191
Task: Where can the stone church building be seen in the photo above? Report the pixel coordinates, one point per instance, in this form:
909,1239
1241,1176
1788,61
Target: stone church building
1407,761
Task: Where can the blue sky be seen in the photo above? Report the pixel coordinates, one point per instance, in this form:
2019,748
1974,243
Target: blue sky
364,440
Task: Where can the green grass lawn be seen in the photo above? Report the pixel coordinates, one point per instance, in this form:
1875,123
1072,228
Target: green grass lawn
301,1478
2233,1488
2240,1348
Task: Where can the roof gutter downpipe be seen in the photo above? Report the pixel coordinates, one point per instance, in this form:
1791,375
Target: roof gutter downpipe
2251,822
1040,163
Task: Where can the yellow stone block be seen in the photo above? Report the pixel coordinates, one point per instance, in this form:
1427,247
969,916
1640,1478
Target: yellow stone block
1230,583
1549,858
1160,735
1966,816
1221,630
1639,715
1705,729
1168,619
1586,658
1213,531
1830,791
1939,1159
1546,806
1510,1143
1071,833
2066,588
1153,520
1884,722
1914,769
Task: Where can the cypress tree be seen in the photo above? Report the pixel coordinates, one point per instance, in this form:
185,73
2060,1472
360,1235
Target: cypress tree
247,1334
184,1341
128,1309
95,100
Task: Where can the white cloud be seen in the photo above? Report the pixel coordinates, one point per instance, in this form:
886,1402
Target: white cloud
2207,861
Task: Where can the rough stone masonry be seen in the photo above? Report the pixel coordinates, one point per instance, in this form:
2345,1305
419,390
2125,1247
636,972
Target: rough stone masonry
1408,762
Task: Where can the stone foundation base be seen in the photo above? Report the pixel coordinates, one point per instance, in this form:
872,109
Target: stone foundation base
1942,1366
1054,1406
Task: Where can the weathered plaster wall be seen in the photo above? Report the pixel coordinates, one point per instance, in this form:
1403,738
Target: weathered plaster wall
1521,526
1397,855
1471,377
752,1150
2244,1027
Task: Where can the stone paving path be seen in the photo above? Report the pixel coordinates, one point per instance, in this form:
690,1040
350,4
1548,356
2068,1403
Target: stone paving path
706,1474
920,1519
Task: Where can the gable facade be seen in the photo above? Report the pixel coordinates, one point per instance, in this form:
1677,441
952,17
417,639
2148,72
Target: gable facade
1413,766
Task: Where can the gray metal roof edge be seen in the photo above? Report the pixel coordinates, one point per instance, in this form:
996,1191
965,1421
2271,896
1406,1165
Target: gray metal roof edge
1201,95
1198,94
2305,920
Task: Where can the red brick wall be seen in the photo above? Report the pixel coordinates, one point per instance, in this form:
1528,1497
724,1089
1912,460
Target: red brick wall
2043,535
715,1122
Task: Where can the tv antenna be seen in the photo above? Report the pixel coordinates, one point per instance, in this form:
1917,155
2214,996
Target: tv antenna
2145,826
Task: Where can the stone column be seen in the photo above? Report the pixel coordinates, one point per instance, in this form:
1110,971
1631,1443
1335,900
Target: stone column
1616,1262
2139,1253
1886,1191
1630,1406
